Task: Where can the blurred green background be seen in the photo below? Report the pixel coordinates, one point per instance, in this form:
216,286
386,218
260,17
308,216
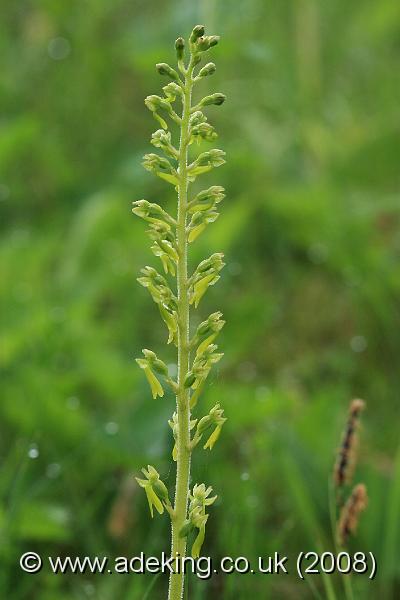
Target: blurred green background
311,233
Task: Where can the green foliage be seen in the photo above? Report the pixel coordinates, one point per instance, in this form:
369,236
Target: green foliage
310,288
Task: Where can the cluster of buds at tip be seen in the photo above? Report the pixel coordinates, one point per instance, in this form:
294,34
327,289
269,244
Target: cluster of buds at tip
197,518
201,42
197,32
156,490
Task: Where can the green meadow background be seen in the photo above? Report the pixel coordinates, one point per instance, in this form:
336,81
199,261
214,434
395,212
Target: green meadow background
311,233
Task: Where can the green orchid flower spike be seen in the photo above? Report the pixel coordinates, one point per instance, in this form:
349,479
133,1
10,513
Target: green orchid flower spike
176,292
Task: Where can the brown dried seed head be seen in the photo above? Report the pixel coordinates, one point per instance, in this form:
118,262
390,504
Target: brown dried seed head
345,461
350,513
356,407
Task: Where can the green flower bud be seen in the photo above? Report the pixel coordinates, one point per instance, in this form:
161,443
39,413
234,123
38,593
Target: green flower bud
216,99
204,424
161,490
165,69
207,42
198,31
180,48
208,69
190,379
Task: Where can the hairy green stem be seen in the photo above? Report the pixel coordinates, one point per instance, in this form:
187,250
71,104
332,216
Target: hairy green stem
178,547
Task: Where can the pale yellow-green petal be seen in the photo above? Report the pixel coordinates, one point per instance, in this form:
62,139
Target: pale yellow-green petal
196,231
175,453
155,385
213,438
205,344
198,542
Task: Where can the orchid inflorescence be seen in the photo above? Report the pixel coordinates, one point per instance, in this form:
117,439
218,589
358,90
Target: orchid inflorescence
170,237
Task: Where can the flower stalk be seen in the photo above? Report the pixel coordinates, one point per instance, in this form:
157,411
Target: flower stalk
171,237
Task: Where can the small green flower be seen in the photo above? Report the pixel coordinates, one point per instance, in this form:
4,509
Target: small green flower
149,364
156,491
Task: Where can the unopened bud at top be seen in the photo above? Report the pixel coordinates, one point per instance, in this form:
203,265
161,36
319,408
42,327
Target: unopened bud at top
198,31
207,42
180,48
165,69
